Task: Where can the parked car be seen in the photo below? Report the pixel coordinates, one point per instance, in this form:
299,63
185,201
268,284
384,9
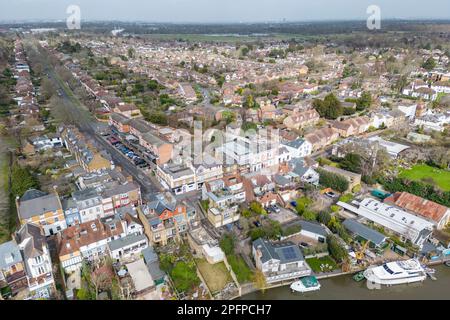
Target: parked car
257,223
275,208
304,244
331,194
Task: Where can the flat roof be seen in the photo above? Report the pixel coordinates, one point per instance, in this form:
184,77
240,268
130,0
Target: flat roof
391,217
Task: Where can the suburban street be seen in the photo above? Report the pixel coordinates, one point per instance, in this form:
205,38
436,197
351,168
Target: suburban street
89,126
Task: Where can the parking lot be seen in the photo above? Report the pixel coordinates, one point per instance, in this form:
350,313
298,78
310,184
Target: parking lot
284,216
115,141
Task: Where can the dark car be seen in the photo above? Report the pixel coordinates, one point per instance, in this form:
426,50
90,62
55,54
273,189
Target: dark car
304,244
257,223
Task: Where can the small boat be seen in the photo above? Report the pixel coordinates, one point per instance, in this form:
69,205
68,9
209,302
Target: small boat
306,284
359,276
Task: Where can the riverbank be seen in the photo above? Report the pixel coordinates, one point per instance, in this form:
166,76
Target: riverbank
342,286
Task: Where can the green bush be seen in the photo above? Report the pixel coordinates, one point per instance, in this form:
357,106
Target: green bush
332,180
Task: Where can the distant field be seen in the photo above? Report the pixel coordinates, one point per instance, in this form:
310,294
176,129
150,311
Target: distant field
427,174
226,37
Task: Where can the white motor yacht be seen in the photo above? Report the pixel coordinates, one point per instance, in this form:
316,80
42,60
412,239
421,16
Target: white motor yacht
397,272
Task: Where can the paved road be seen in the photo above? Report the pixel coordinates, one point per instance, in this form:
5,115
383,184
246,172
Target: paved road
89,126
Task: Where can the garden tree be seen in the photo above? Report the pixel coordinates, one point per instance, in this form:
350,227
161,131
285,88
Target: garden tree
249,102
227,243
259,279
429,64
184,276
324,217
332,180
166,262
157,117
309,215
337,251
131,53
401,83
22,180
364,101
330,107
303,204
257,208
421,189
47,89
271,230
351,162
228,116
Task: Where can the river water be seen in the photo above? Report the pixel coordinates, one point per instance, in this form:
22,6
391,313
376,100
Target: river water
344,287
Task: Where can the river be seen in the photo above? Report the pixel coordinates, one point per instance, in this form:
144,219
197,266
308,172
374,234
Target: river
344,287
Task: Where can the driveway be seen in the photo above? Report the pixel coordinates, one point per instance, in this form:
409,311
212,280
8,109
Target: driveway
284,216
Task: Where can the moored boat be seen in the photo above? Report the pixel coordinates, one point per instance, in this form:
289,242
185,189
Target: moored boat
397,272
358,276
306,284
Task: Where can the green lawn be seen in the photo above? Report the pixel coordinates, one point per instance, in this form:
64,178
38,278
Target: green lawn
427,174
315,263
240,268
216,275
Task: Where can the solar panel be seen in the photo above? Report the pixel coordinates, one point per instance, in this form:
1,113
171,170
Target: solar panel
289,253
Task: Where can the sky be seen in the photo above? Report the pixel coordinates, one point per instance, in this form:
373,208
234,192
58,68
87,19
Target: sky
210,11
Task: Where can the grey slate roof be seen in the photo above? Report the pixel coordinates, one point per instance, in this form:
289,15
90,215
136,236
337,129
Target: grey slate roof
34,246
9,254
85,194
365,232
152,261
35,202
280,180
278,251
295,143
149,255
125,241
313,227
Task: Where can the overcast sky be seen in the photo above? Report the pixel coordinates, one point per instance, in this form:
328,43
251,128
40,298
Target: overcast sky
221,10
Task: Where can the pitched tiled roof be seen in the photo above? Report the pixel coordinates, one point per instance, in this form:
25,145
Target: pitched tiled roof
418,205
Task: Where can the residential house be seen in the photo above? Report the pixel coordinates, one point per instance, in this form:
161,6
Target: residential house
321,138
36,256
87,156
42,209
298,148
301,119
223,196
128,110
71,212
279,261
352,126
178,178
89,204
87,241
204,245
165,218
120,195
120,122
12,267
